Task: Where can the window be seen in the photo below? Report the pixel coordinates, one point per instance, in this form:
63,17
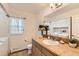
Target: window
17,26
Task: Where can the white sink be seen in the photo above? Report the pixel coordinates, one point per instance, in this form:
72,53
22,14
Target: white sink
50,42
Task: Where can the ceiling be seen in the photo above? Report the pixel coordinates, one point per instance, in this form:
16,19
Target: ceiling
29,7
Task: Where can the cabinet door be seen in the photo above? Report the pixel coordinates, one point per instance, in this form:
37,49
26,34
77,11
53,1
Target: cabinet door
46,53
35,51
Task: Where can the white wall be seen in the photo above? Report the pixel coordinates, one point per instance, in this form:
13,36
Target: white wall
4,27
18,41
4,23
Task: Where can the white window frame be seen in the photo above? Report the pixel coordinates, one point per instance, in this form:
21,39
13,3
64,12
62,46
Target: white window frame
15,26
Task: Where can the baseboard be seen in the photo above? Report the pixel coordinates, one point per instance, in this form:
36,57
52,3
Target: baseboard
18,51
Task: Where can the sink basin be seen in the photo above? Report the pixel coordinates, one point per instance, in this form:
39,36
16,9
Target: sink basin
50,42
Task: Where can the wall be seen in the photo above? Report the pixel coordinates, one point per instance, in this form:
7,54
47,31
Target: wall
4,23
18,41
4,33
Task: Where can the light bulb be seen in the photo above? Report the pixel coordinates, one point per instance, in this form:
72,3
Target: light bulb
59,3
52,5
55,5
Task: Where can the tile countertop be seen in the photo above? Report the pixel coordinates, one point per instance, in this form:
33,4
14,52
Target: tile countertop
61,49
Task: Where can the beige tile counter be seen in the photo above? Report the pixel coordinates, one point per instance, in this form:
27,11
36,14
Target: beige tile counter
61,49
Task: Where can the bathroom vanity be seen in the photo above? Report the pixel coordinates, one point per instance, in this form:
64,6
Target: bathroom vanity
62,28
41,49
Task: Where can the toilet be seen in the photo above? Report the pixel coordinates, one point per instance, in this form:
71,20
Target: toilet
29,48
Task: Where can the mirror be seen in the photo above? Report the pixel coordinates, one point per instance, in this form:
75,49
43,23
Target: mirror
59,27
75,27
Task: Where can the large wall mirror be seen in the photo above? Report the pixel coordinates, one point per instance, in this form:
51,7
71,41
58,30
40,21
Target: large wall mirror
75,27
60,27
65,27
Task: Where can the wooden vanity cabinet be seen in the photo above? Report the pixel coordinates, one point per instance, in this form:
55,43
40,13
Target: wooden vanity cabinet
38,50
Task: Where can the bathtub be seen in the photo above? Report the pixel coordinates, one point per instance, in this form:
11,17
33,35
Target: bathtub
4,46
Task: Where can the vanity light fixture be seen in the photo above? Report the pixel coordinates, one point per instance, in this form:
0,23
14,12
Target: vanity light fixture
55,5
